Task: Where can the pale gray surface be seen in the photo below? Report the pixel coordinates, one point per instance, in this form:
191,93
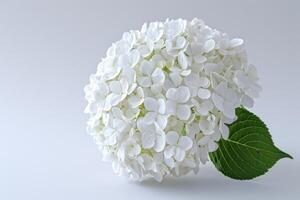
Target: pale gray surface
49,48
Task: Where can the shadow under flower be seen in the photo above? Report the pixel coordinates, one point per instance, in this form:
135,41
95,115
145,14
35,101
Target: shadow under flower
208,180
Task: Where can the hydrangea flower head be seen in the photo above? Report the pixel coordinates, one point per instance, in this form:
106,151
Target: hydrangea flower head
162,96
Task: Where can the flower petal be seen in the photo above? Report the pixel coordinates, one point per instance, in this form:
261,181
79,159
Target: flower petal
200,59
192,129
145,50
150,117
122,47
123,61
171,107
183,94
143,126
111,51
134,57
156,88
209,45
169,152
144,81
212,146
182,60
160,141
204,107
170,161
172,94
175,27
114,99
175,78
91,108
218,101
134,150
247,101
204,140
147,68
115,87
192,80
135,101
179,154
206,126
162,106
204,93
172,137
224,130
185,143
162,121
204,82
183,112
151,104
229,110
158,76
180,42
236,42
158,176
148,139
111,73
154,33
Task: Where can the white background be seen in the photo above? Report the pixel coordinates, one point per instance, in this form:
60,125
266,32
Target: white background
49,48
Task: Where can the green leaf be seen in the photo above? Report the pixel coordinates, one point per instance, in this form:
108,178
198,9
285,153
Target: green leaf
249,151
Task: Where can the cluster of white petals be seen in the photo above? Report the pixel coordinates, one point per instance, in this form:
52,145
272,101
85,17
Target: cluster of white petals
162,96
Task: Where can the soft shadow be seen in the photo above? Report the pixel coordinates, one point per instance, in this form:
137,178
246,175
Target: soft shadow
209,180
280,179
199,183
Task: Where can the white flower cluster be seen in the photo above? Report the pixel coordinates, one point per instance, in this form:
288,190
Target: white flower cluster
160,100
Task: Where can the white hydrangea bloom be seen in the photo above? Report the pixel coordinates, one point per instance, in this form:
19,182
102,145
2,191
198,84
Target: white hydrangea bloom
162,96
